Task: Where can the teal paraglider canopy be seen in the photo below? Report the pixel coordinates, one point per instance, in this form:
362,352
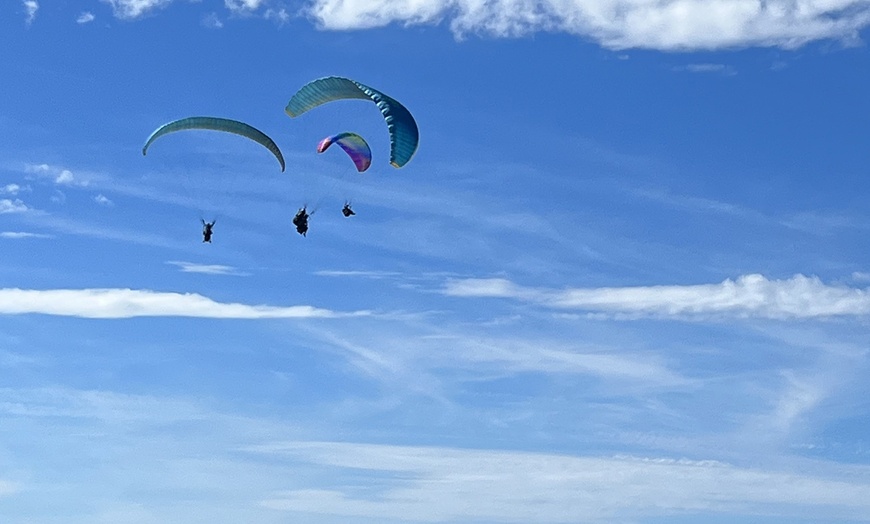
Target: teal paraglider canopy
217,124
404,135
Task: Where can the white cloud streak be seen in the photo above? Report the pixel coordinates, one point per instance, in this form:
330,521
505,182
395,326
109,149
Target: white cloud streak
112,407
747,296
207,269
456,485
553,358
22,234
708,68
355,273
825,223
130,303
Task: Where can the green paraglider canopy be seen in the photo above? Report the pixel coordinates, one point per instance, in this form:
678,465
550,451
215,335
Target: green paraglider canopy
404,135
217,124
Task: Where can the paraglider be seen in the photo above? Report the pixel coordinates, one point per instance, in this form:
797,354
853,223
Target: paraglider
356,148
354,145
404,135
207,230
217,124
301,221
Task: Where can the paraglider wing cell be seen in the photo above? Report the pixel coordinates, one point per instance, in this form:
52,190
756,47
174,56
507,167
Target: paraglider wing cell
354,145
217,124
404,135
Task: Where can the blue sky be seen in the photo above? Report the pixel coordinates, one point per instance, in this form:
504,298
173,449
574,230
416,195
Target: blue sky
624,279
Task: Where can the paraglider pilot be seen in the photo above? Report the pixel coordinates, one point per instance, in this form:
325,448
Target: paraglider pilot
301,221
206,230
346,210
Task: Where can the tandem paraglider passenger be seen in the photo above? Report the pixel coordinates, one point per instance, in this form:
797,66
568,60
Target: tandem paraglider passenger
346,210
301,221
206,230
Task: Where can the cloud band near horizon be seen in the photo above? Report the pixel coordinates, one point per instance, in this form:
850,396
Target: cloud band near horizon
448,484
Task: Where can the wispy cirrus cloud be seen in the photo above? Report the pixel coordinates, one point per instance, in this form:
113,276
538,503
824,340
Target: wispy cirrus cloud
696,204
799,397
93,404
267,464
411,362
207,269
460,485
280,15
135,430
212,21
97,230
707,68
747,296
554,358
825,223
131,303
357,273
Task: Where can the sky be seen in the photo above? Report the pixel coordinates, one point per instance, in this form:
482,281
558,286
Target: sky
624,279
